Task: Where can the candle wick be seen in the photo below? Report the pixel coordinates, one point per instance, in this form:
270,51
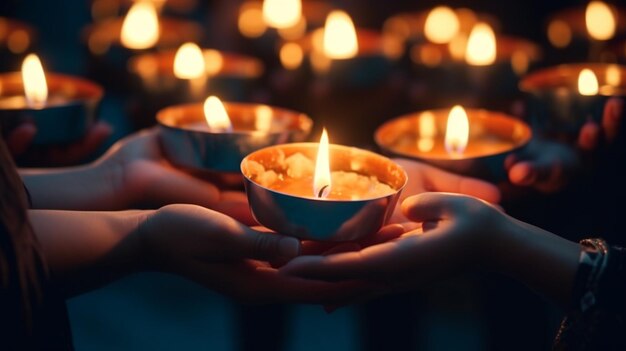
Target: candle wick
321,192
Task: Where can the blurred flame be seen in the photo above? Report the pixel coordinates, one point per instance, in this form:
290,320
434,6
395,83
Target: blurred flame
613,75
481,46
189,62
427,131
340,41
559,34
321,180
600,20
213,61
294,32
520,62
442,25
587,82
251,23
263,118
34,80
457,131
457,47
216,116
291,55
282,13
140,29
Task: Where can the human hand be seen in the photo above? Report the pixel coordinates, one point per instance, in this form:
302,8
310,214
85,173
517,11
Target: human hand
222,254
425,178
19,142
549,165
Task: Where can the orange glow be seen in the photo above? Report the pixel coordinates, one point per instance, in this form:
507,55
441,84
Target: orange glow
294,32
457,131
427,130
340,41
35,86
613,76
213,61
140,29
251,23
457,47
442,25
188,62
321,179
216,116
520,62
600,21
559,34
282,13
587,83
481,46
263,118
291,56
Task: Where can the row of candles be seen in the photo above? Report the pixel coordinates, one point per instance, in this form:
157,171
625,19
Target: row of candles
258,140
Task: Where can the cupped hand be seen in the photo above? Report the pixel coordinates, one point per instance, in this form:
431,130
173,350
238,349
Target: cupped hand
145,177
222,254
457,234
20,145
425,178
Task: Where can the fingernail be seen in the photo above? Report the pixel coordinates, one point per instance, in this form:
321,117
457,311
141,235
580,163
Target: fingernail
289,247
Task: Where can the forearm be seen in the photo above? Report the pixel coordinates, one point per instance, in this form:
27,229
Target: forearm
543,261
85,250
92,187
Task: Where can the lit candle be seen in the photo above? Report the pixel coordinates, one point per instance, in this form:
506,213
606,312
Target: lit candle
321,191
472,141
562,98
62,107
215,136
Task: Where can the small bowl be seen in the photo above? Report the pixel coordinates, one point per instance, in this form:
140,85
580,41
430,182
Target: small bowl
70,110
200,149
310,218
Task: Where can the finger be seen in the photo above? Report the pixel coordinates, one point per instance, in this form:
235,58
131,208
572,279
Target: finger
235,204
612,118
523,173
268,247
432,206
20,138
589,136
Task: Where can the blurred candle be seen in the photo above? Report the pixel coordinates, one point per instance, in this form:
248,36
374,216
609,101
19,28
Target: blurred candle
442,25
140,29
600,21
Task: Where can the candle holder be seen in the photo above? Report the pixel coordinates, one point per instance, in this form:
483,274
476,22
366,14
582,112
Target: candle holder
311,218
556,108
189,143
16,38
70,110
155,85
492,136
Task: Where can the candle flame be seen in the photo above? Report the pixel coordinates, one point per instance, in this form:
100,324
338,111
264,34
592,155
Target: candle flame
250,22
140,29
457,131
188,62
442,25
427,130
321,180
587,83
216,116
291,56
263,118
600,20
213,61
34,78
481,46
282,13
559,34
340,41
613,75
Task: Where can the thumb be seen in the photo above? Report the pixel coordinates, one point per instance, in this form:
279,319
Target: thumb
427,207
269,246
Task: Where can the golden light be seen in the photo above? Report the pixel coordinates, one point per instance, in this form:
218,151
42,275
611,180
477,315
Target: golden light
251,23
320,63
294,32
263,118
457,47
427,130
457,131
35,86
426,55
520,62
559,34
18,41
481,46
340,40
587,83
442,25
321,179
213,61
282,13
216,116
600,20
613,76
140,29
291,55
189,62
